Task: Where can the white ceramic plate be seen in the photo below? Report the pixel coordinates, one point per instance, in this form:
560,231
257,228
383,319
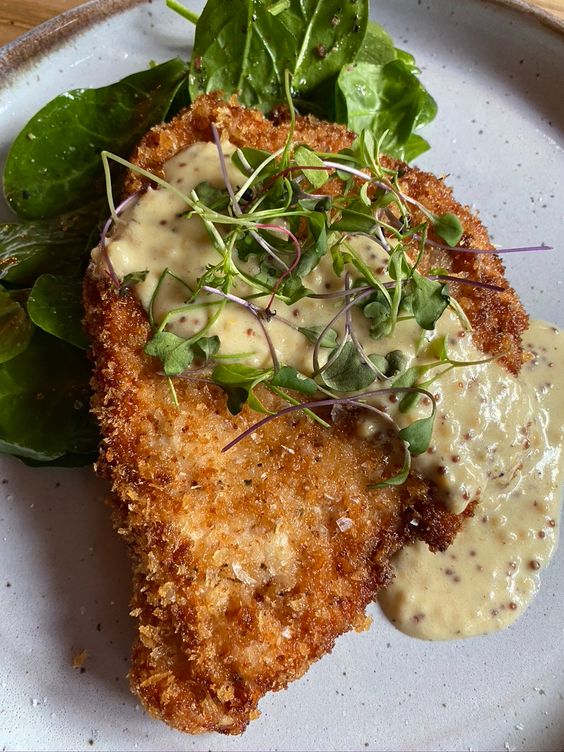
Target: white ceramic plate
64,578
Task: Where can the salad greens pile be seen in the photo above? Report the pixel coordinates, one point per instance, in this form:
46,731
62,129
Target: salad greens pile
343,66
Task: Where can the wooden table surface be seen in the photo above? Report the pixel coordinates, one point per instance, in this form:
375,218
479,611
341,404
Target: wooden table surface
17,16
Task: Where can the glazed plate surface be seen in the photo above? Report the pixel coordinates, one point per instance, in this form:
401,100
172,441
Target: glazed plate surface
496,73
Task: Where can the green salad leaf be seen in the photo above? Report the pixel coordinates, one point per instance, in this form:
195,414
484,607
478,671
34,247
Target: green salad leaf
389,100
244,47
55,305
54,164
44,402
15,327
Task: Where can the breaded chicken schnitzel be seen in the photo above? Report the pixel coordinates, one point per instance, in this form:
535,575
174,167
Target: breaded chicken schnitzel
243,575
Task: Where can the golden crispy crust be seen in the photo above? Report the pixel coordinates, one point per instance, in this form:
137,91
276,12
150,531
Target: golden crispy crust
242,576
498,318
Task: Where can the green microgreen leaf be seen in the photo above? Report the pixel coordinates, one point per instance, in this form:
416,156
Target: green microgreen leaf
449,228
311,333
132,279
418,434
289,378
429,299
306,157
398,479
347,371
207,346
174,352
238,381
216,199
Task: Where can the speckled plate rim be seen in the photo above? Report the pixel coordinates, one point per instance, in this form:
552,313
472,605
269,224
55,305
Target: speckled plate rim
22,52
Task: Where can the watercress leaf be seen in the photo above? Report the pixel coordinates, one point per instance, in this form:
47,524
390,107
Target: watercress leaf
449,228
348,372
54,164
15,328
288,378
44,401
208,346
55,305
428,300
175,353
305,157
57,245
418,434
312,333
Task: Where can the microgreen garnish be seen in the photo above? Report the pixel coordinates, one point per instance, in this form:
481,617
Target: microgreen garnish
270,233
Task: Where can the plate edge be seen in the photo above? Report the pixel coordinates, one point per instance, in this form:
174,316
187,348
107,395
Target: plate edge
523,6
21,53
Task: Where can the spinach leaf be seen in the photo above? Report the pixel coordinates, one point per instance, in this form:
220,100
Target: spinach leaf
54,164
55,305
44,402
58,245
377,47
327,34
240,48
387,99
243,47
15,328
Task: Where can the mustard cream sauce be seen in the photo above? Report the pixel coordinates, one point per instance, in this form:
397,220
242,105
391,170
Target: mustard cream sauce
489,575
493,441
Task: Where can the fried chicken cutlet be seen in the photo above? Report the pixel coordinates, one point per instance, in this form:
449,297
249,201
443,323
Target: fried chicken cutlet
242,575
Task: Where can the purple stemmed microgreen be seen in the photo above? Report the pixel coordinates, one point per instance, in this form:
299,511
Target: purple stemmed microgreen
415,436
104,237
465,281
260,315
317,369
235,203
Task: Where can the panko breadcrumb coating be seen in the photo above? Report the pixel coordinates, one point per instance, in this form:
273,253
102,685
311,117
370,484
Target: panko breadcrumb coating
244,573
